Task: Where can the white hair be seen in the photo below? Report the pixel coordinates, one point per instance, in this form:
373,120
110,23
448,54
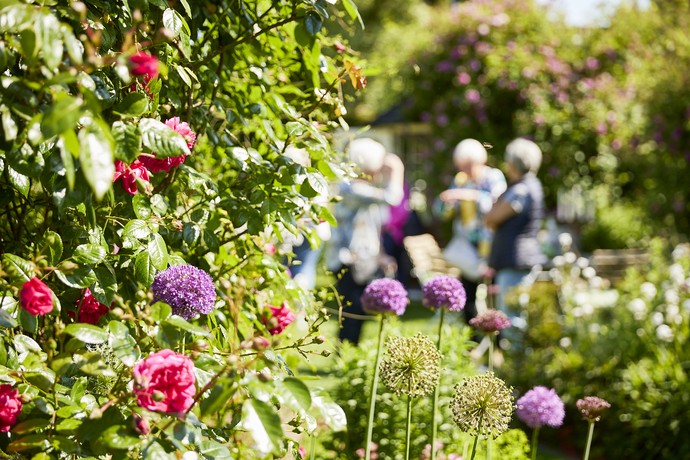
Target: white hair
470,150
524,155
367,154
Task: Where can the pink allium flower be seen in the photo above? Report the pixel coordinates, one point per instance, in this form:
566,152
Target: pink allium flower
130,174
143,64
36,297
541,406
90,310
385,296
164,382
281,317
591,407
444,291
490,321
10,407
166,164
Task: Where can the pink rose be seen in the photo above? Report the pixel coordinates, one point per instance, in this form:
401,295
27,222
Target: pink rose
154,164
130,174
143,64
164,382
281,318
90,310
36,297
10,407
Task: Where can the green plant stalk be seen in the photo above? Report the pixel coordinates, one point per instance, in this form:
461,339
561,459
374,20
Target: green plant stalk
535,435
372,393
492,338
434,401
589,440
476,438
409,425
312,448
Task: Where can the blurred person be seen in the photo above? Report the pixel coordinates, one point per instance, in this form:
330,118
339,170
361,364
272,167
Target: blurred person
395,229
356,248
471,195
516,219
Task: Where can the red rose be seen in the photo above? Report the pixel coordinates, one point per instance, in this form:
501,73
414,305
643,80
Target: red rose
36,297
90,310
144,65
130,174
10,407
154,164
281,318
164,382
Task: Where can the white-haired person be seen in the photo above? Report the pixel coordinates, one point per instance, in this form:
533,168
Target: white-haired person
355,250
516,219
474,190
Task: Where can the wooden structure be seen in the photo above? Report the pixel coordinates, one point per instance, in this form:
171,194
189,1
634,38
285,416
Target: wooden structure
427,258
613,263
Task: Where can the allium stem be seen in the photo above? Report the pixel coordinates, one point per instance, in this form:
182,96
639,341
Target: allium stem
535,436
374,386
589,440
409,427
492,338
476,438
434,401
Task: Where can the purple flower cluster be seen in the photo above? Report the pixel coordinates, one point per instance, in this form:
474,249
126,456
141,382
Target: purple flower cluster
385,296
591,407
187,289
444,291
541,406
490,321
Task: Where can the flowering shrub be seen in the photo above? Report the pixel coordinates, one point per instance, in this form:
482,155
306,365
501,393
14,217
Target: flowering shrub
143,171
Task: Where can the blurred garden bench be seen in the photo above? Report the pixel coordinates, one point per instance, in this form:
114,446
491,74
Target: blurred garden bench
427,258
612,264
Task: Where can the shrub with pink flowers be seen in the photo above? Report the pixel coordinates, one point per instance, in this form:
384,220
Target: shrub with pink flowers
144,170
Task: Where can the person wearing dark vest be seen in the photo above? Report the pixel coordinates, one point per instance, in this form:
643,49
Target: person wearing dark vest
516,218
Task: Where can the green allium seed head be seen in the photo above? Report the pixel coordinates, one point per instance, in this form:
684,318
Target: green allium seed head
482,405
411,365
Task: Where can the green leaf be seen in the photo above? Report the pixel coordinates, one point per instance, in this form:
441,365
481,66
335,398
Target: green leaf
19,181
26,161
161,139
27,321
61,116
53,247
68,426
211,449
29,443
262,422
89,254
96,158
123,344
352,10
29,426
120,437
133,105
216,400
160,311
41,378
175,23
180,323
81,277
136,229
318,183
74,47
20,270
158,252
313,23
107,283
155,451
332,414
144,271
69,149
7,321
127,140
87,333
299,391
48,29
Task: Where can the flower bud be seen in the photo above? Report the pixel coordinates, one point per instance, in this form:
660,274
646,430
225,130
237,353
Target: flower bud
260,343
158,395
319,339
141,425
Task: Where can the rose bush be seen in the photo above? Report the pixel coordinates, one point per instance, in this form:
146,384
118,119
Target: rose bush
139,139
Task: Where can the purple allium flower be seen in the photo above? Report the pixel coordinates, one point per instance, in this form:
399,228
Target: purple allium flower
385,296
444,291
490,321
541,406
591,407
187,289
